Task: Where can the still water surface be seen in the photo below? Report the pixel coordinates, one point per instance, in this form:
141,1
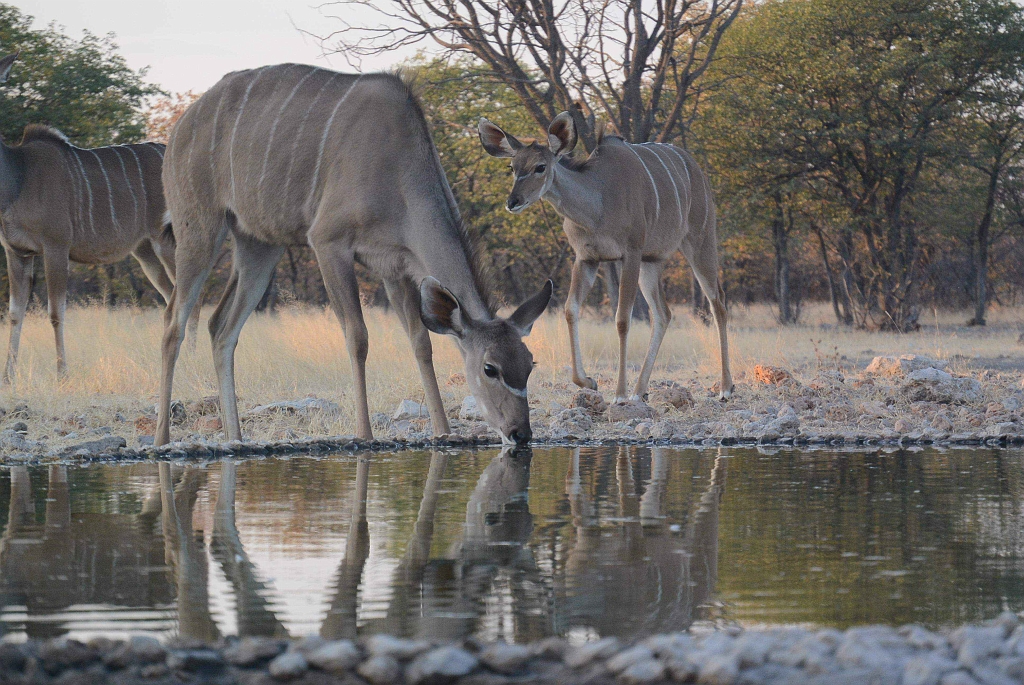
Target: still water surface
579,542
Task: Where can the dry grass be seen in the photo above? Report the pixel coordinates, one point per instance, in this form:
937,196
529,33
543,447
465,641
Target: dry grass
114,361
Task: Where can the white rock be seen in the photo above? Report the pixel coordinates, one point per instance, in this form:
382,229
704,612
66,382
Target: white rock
443,663
927,669
398,647
585,653
901,365
721,669
382,669
410,409
626,658
305,406
504,658
335,657
288,666
640,672
469,410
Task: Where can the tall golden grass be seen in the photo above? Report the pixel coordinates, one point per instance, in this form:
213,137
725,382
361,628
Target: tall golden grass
114,358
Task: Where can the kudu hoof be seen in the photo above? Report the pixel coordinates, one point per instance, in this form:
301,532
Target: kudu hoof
588,383
726,394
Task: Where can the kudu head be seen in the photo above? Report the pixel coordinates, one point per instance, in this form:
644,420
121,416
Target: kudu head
498,363
533,163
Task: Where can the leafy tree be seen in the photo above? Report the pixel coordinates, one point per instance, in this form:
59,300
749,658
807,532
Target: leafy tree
853,102
82,87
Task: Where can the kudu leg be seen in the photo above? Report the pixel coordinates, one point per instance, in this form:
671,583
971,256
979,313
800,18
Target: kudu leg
159,269
194,262
661,316
704,262
628,286
252,266
55,264
337,264
405,298
19,270
583,276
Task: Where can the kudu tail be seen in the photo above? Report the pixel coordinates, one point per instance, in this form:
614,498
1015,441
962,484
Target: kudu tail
168,233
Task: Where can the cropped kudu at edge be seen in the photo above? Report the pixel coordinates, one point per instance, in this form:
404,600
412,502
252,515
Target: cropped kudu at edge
298,155
68,204
635,204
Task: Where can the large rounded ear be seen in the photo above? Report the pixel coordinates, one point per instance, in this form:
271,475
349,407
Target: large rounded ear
5,66
528,311
497,142
439,309
562,134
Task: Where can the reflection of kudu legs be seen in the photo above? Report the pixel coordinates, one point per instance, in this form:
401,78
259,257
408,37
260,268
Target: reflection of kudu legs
340,621
651,501
255,617
405,298
184,554
409,574
703,536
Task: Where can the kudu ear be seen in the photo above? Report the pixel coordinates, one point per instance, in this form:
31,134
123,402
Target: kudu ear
5,66
439,309
496,142
562,134
530,310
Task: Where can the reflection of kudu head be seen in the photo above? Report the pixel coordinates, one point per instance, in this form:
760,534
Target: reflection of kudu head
498,511
498,363
533,163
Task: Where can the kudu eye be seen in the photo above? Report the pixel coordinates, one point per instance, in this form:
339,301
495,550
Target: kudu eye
490,370
540,169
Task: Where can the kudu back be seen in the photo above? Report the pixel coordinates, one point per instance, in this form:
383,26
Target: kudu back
68,204
292,154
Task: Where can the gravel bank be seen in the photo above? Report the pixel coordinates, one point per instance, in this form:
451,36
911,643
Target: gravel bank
990,653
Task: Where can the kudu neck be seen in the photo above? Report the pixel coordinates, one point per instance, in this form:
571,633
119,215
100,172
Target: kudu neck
12,173
573,195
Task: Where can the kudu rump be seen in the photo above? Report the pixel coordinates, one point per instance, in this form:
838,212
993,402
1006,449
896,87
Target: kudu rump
73,205
636,204
295,155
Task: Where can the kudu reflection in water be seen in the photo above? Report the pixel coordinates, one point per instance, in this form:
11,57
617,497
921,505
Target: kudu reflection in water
185,554
448,598
641,576
342,612
73,560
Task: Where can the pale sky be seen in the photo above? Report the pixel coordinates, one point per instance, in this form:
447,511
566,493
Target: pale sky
190,44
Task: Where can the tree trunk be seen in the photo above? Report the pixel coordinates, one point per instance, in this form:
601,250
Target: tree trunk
780,241
981,253
833,288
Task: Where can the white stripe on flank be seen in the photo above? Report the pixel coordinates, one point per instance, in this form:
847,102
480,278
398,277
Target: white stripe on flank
273,127
298,133
128,183
689,182
234,131
158,147
110,189
657,199
323,138
88,186
671,177
213,133
142,180
78,197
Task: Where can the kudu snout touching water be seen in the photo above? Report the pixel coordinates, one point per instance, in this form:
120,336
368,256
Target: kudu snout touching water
636,204
295,155
68,204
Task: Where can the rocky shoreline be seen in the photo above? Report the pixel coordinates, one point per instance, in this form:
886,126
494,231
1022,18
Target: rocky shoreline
895,401
991,653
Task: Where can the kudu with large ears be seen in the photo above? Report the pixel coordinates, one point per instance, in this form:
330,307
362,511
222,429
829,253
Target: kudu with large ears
298,155
66,204
632,204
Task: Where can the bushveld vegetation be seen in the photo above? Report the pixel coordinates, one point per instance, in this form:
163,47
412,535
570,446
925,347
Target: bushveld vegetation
866,154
